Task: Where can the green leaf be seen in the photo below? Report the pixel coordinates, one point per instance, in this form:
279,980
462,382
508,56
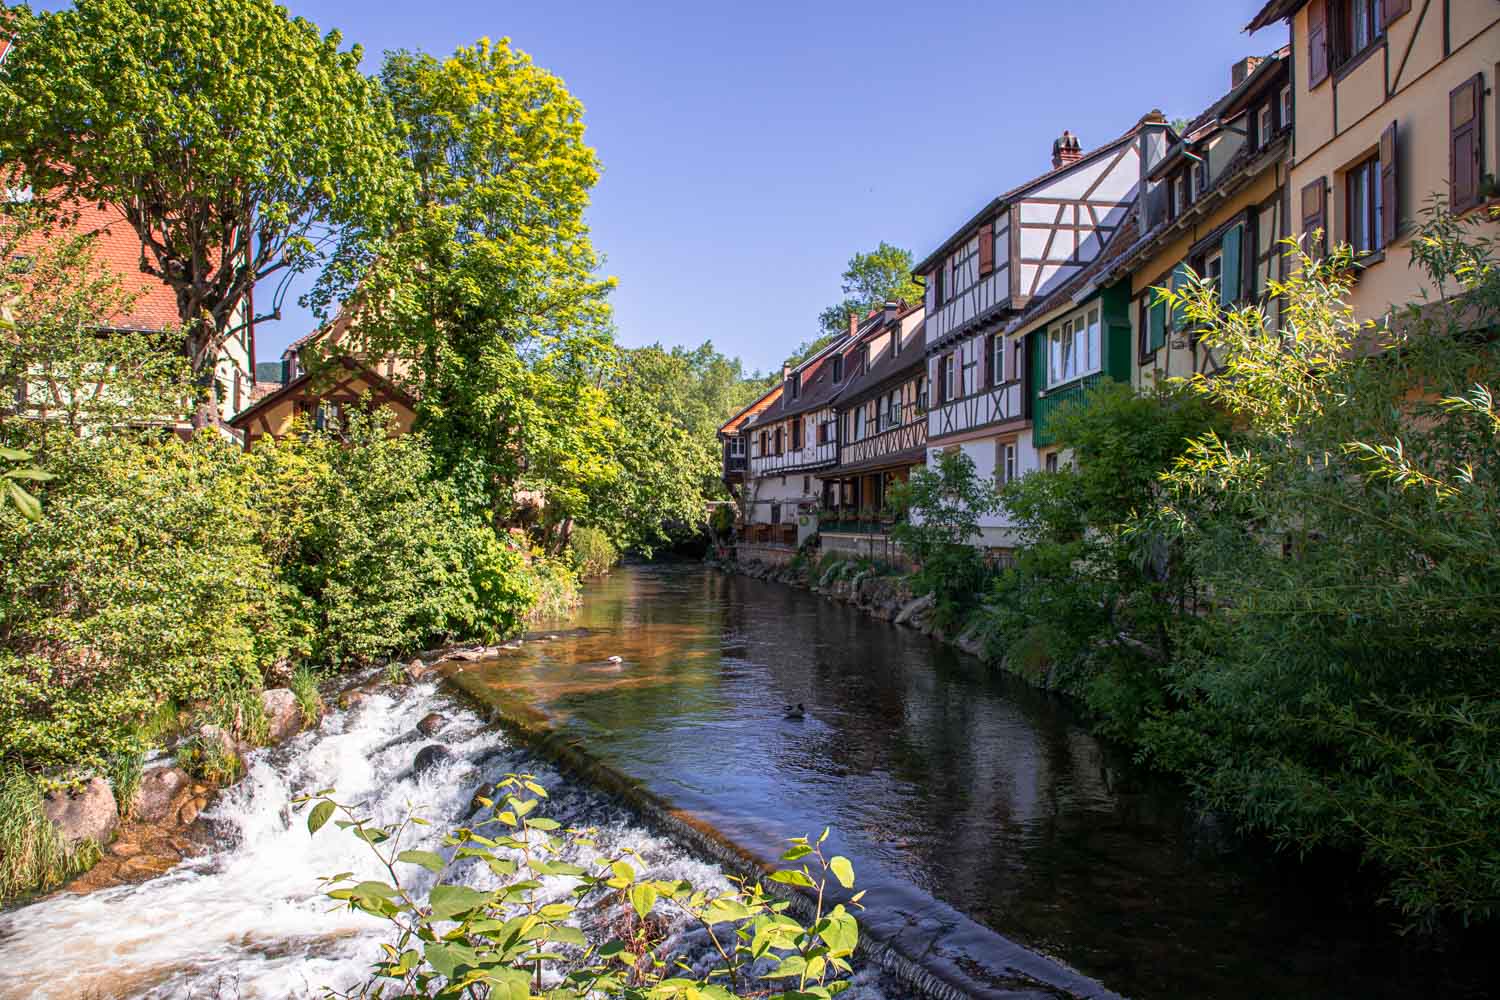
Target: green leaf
427,859
29,506
643,898
319,815
448,900
842,870
792,876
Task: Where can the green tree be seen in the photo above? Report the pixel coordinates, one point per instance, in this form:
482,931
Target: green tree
228,135
940,531
869,282
485,279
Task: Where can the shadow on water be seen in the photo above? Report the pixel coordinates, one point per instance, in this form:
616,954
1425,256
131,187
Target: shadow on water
949,786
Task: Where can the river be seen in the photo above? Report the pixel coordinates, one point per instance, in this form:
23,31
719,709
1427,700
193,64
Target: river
1002,847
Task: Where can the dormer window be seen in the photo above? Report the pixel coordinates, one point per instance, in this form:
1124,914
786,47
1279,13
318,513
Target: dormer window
794,385
1265,127
1285,104
838,368
1179,196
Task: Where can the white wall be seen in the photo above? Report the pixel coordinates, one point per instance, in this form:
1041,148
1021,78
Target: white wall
765,490
997,530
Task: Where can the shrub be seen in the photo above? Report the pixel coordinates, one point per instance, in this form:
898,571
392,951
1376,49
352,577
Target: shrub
591,553
142,584
940,533
555,586
304,686
453,940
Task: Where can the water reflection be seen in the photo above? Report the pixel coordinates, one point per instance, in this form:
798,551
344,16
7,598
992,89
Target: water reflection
942,781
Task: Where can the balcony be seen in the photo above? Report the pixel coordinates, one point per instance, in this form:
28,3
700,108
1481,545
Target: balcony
897,433
1049,402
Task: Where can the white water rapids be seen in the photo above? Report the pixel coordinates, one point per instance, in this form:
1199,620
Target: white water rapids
248,920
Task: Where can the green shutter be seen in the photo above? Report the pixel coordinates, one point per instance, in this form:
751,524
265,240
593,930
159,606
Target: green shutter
1229,276
1156,325
1182,277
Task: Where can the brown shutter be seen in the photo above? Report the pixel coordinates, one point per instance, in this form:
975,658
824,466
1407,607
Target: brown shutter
1317,43
1394,9
986,376
1390,188
1463,144
1314,212
986,249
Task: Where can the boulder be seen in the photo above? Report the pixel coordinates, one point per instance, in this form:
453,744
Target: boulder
278,673
87,813
915,608
283,714
211,735
432,723
161,795
430,757
416,670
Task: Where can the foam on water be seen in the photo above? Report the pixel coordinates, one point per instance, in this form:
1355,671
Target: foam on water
248,919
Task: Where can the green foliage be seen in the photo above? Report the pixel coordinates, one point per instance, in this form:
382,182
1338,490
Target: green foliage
33,856
870,281
556,589
939,531
228,134
456,941
143,583
591,553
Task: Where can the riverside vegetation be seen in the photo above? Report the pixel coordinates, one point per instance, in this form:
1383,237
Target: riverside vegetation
455,934
1280,582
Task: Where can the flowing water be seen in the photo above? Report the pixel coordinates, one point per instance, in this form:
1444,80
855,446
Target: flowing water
979,813
1002,846
247,920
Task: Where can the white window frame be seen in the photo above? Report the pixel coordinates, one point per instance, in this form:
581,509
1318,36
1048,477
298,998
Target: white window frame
1063,368
737,447
997,360
1007,463
1210,271
1267,124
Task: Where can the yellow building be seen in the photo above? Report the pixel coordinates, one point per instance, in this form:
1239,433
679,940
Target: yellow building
1395,102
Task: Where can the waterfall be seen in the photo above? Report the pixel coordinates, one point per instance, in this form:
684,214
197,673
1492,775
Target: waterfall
247,919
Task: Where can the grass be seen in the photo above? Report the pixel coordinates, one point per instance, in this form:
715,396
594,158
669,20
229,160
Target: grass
124,776
304,686
33,856
557,590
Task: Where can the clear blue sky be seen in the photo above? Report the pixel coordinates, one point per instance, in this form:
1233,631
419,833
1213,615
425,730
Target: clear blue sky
749,149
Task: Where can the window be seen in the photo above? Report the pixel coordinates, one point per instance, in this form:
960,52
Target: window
1266,125
807,485
893,409
1285,106
794,385
997,360
1213,267
775,513
737,447
764,439
1357,25
838,368
1074,348
864,358
1179,196
779,449
1018,360
797,435
859,424
1051,461
1006,462
921,392
1362,206
949,376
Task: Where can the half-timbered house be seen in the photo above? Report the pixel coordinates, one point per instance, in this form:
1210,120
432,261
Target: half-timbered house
1221,213
881,415
790,445
1016,253
1395,104
734,442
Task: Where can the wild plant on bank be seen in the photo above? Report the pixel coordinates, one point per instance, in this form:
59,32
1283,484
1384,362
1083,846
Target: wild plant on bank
33,856
458,942
304,686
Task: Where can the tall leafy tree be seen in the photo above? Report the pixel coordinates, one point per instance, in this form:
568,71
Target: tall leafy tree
485,280
229,136
871,280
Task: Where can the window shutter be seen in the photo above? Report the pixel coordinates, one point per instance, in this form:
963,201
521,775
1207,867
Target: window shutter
1314,204
1229,270
1181,278
940,380
1317,43
1156,326
1390,189
986,249
1463,146
987,363
1394,9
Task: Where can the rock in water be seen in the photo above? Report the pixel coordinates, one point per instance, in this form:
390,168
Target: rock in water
432,723
89,813
484,791
283,714
416,670
157,799
429,758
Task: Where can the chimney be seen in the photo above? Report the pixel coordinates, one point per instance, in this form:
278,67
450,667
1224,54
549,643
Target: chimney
1241,70
1066,150
853,322
786,372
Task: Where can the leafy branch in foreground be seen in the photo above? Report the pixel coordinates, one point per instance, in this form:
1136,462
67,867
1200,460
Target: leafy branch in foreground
454,938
